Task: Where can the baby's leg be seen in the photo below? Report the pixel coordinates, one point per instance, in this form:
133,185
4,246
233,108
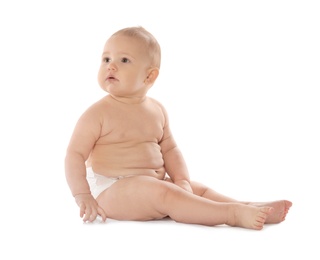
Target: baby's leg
206,192
146,198
281,207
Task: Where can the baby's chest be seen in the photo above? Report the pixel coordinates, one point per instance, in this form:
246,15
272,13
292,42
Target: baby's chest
136,127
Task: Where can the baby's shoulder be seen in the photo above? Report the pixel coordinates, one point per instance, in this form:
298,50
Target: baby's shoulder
160,107
102,104
155,102
97,107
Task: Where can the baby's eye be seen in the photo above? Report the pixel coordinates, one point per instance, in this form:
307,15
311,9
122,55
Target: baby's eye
125,60
106,60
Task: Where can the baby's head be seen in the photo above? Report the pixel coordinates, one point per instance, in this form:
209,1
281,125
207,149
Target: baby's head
147,39
130,63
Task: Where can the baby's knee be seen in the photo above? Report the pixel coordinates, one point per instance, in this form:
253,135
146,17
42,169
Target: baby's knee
198,188
169,191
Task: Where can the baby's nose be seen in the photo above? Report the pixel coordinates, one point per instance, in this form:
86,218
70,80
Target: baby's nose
111,66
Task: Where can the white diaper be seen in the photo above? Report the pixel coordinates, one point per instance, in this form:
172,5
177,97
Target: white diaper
98,183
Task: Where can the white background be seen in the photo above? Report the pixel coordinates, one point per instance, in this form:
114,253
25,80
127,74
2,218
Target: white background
240,80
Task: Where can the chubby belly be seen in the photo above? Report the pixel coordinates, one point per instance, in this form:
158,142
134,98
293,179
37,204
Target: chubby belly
123,159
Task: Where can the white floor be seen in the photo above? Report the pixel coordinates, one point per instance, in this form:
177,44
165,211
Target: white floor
49,237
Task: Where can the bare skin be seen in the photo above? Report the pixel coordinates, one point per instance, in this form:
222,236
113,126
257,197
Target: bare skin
166,199
127,134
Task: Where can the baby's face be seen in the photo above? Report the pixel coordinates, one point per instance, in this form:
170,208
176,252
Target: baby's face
124,67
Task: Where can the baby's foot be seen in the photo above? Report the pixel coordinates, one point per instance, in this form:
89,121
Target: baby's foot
248,216
281,208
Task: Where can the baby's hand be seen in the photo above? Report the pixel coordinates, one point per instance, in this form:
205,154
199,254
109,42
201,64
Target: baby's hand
184,185
89,208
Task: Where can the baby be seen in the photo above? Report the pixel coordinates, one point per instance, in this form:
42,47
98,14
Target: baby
122,161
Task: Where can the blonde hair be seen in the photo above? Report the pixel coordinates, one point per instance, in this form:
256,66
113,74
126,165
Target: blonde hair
152,45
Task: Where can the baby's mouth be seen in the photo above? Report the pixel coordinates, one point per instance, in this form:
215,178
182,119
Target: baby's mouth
111,78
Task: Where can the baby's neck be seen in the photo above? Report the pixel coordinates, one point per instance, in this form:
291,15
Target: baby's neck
129,100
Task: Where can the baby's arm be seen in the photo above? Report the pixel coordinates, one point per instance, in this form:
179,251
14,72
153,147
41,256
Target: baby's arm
85,134
173,159
176,168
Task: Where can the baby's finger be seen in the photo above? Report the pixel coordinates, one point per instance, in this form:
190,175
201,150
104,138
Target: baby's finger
82,209
93,215
87,214
102,214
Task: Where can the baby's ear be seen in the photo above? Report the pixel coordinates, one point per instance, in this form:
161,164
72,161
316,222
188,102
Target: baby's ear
152,75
